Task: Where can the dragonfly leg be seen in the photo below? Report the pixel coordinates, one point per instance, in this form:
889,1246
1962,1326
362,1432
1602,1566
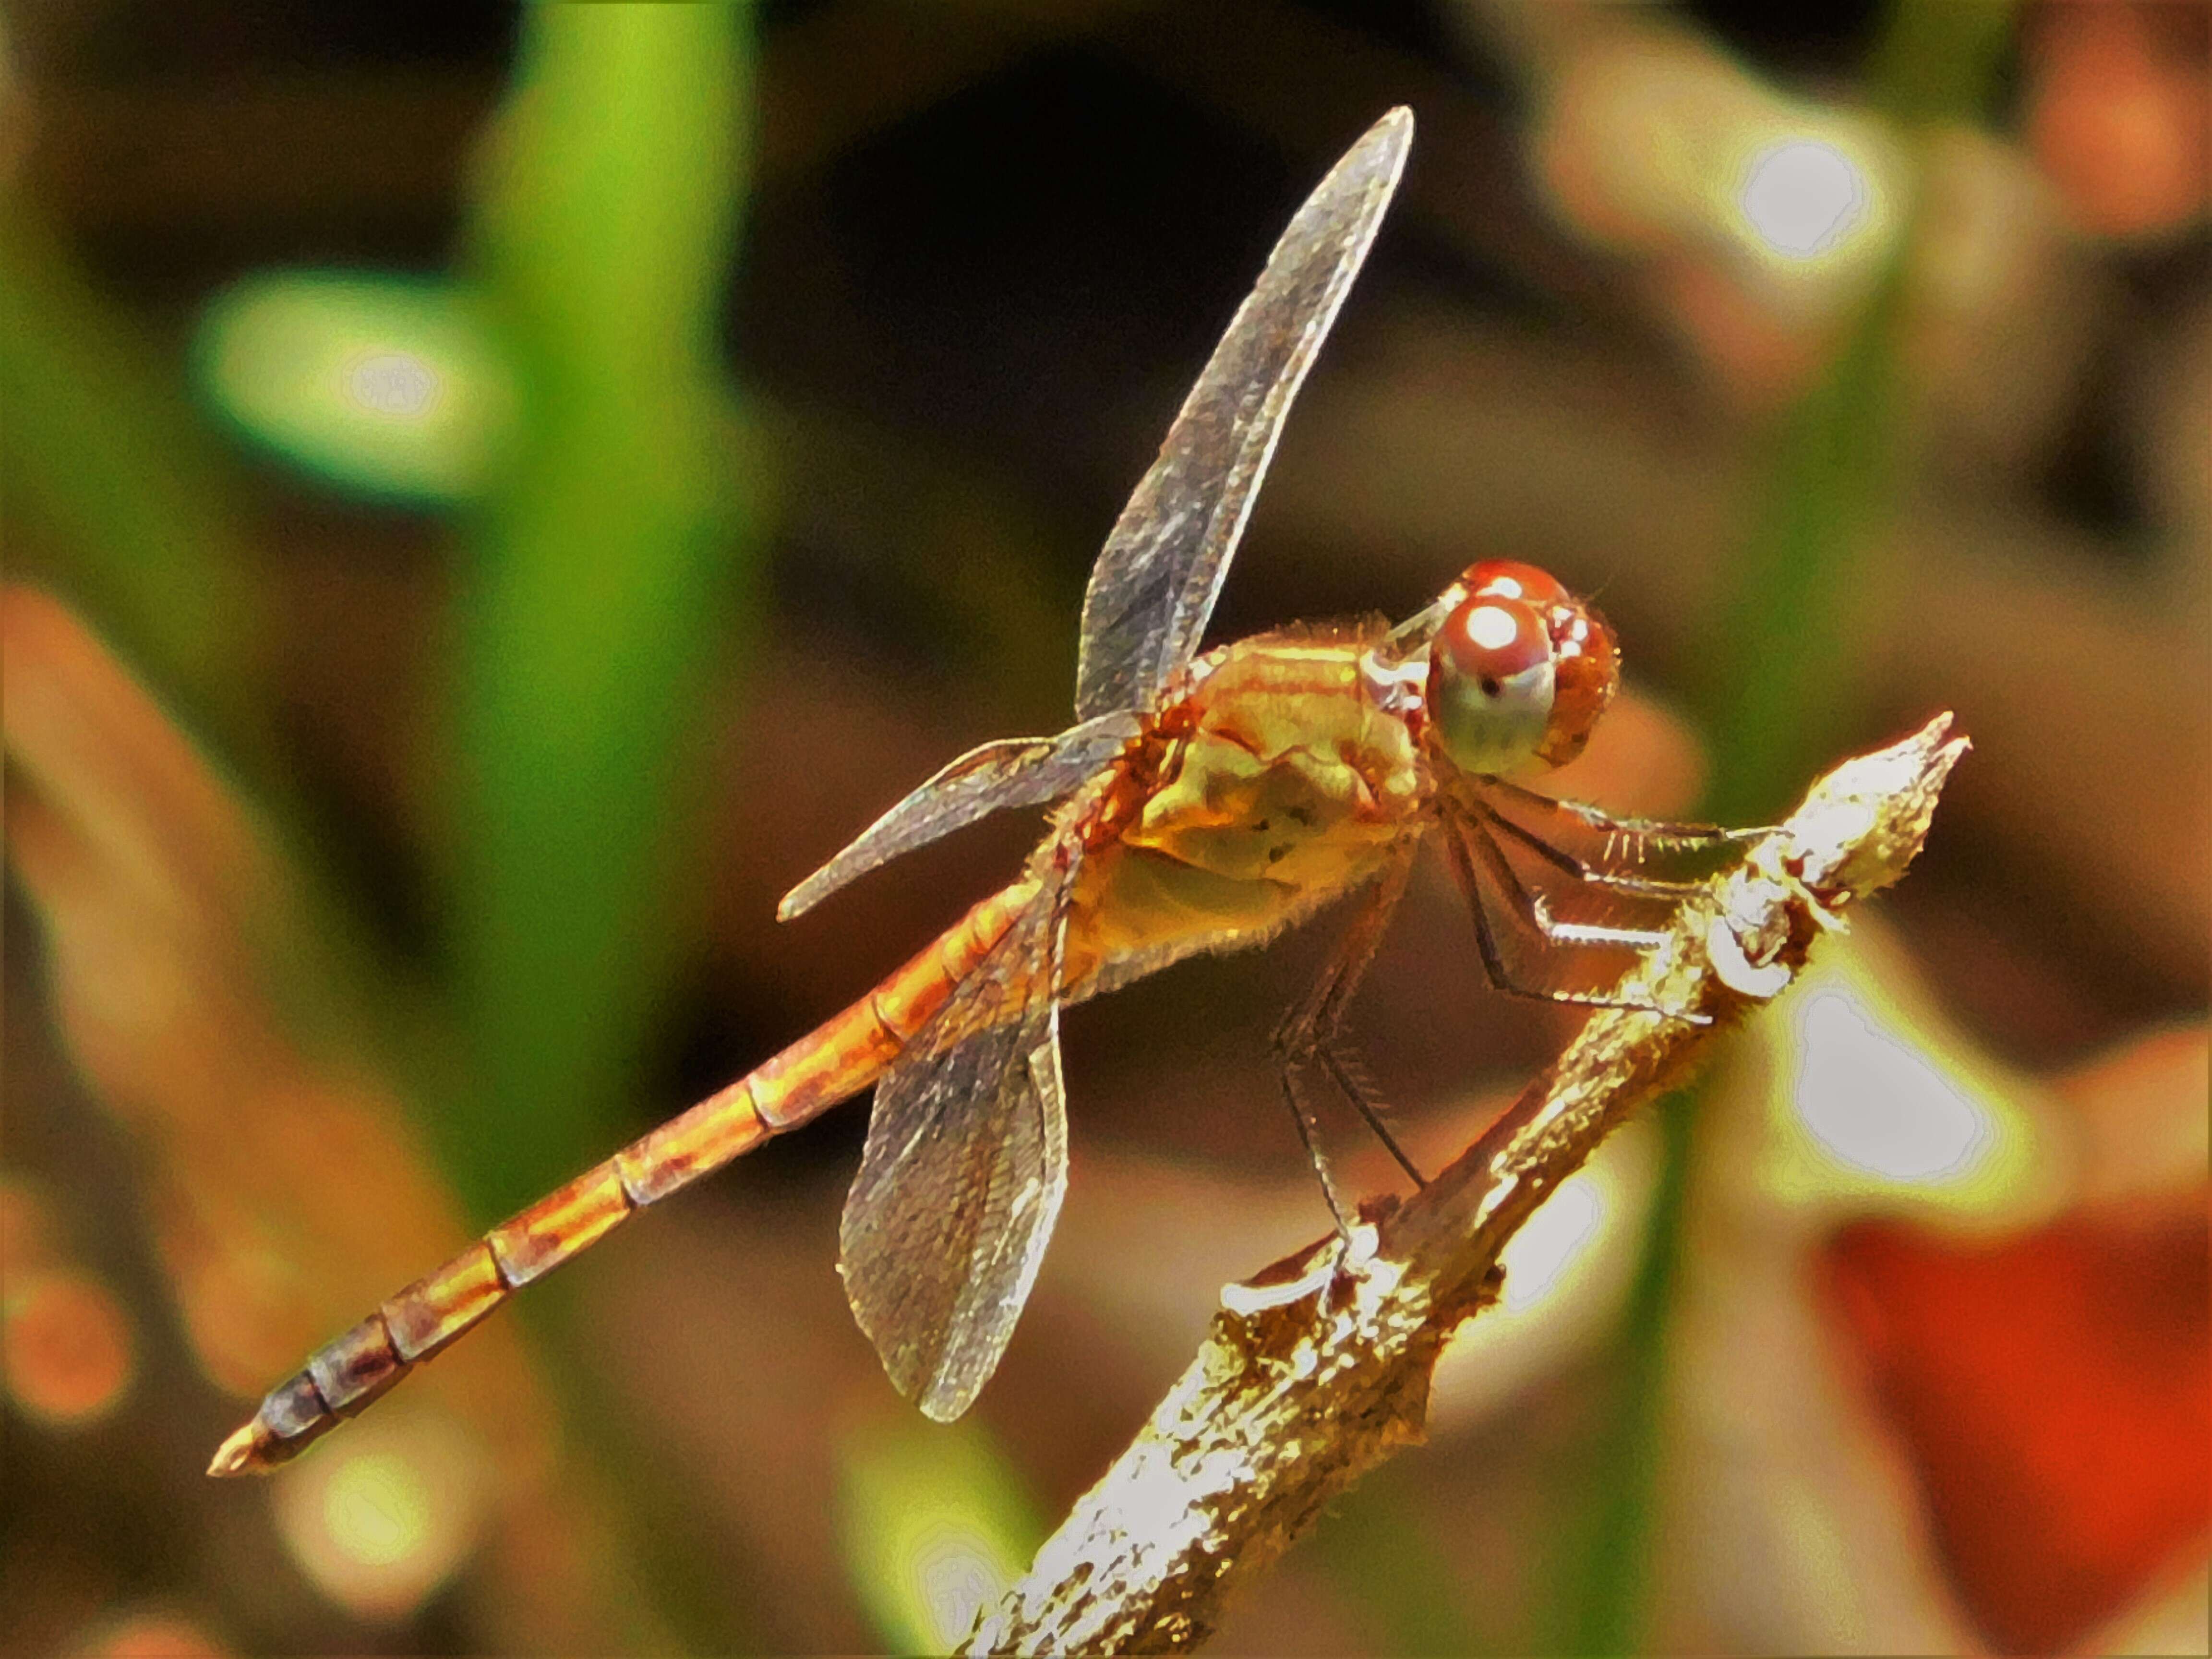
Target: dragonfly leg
1352,1082
1556,932
1657,832
1583,869
1311,1034
1468,844
1302,1114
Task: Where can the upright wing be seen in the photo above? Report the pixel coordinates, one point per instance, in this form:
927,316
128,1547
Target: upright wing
1156,579
1013,772
965,1168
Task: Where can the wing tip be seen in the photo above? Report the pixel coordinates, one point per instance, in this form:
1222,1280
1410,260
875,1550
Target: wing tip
1372,165
1392,132
946,1408
811,891
1396,134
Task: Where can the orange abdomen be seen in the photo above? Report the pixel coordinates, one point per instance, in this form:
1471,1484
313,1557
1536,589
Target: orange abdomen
832,1063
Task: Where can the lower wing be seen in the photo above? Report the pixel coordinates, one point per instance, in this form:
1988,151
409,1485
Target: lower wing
965,1167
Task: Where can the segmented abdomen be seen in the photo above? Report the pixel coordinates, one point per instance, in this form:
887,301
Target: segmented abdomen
832,1063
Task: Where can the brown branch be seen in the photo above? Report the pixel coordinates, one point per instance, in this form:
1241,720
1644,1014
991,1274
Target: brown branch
1314,1372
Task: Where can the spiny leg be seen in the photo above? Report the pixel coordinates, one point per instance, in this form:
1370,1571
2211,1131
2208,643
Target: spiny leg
1581,868
1301,1115
1308,1032
1467,843
1655,832
1331,1000
1355,954
1354,1084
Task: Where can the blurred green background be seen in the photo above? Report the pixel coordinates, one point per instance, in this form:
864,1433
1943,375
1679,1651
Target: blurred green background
494,497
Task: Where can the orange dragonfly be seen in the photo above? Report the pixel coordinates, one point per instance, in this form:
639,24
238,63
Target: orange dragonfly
1205,802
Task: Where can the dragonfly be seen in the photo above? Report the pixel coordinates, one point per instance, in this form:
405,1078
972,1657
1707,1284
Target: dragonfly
1201,802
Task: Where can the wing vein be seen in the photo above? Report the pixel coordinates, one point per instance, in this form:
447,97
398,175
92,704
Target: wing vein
1154,586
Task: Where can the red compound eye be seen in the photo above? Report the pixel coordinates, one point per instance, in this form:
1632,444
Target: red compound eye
1519,672
1508,579
1487,640
1588,674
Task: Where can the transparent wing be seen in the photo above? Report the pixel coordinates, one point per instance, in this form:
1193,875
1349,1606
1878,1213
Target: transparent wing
965,1168
1014,772
1156,579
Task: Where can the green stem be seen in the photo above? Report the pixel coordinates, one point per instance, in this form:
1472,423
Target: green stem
1614,1543
597,586
103,456
1781,649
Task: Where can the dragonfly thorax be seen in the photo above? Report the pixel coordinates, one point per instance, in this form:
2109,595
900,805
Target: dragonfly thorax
1518,671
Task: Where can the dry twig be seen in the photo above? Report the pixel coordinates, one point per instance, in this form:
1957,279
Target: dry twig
1319,1369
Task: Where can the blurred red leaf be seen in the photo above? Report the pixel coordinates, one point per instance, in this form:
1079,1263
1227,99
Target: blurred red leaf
2054,1390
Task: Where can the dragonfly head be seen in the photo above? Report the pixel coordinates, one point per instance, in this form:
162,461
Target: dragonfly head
1519,670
